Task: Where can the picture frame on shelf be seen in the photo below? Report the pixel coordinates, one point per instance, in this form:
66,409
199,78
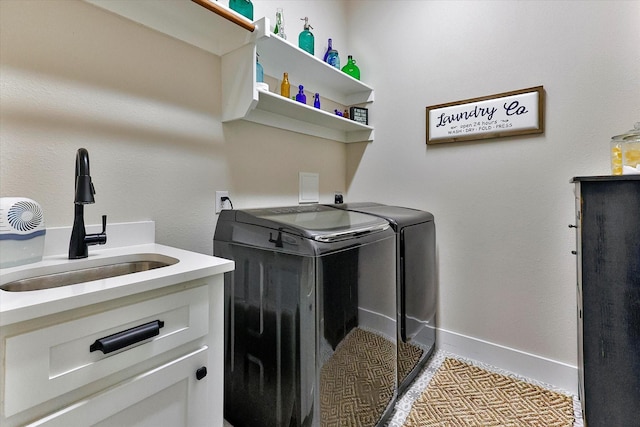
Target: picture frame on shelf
359,114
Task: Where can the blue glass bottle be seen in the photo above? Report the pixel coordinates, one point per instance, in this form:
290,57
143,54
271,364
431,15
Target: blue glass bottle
331,57
306,41
326,54
301,97
316,100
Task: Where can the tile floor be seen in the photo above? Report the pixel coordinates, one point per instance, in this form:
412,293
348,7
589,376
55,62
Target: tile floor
403,406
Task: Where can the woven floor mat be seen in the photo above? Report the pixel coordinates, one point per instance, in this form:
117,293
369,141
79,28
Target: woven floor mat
357,383
408,357
461,395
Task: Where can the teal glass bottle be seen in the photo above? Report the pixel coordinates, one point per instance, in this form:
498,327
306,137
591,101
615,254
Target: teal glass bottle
259,71
243,7
306,41
351,68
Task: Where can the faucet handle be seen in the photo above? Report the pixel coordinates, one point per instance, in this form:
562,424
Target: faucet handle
98,238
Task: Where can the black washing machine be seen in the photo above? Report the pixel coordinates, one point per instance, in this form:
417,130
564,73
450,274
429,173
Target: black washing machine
416,283
310,317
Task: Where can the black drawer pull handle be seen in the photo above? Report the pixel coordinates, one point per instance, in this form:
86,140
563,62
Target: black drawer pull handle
126,338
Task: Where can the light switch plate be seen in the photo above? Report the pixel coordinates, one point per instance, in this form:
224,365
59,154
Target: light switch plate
309,188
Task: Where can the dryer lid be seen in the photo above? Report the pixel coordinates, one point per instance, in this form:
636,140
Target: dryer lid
399,217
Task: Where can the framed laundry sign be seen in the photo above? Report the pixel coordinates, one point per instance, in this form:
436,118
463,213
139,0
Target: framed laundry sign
519,112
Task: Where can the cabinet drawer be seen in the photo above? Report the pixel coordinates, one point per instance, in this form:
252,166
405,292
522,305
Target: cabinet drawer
169,395
49,362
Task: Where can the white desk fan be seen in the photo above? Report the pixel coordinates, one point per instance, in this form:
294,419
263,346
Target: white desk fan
22,231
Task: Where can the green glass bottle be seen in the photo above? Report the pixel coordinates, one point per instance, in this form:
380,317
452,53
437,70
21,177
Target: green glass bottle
306,41
351,68
243,7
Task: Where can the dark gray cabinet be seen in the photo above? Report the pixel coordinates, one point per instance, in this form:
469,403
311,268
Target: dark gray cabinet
608,257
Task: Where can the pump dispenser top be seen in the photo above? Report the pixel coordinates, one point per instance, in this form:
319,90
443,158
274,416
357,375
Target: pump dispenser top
306,41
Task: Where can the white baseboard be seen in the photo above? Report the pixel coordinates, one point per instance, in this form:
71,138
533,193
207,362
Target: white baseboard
377,322
560,375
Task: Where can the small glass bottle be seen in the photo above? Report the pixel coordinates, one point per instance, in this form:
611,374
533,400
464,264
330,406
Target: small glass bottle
301,97
306,41
279,28
243,7
329,48
259,71
331,57
285,87
316,100
351,68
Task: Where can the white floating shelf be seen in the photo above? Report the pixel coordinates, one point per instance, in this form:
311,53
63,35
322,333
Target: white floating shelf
277,111
194,24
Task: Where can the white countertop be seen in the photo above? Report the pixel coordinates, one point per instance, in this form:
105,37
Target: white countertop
21,306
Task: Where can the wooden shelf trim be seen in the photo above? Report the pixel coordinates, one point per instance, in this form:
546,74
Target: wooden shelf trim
221,11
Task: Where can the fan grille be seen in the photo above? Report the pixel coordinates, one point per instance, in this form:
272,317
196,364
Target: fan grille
25,216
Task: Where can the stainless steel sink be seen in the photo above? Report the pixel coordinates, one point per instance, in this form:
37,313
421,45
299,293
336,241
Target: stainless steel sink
73,277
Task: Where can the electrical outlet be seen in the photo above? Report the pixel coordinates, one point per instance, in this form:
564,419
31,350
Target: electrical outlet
220,204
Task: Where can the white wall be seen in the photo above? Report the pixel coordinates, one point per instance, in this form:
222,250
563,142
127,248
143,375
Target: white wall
147,108
506,274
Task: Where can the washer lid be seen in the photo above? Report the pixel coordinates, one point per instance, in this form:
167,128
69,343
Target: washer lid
321,223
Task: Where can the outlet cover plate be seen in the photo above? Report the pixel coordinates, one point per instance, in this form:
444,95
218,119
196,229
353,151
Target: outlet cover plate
219,203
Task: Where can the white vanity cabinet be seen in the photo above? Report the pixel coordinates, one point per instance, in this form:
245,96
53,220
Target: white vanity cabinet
169,395
241,100
151,356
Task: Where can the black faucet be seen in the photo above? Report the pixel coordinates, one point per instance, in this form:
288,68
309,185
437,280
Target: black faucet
84,195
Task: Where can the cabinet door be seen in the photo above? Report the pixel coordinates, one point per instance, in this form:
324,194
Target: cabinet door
610,289
169,395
